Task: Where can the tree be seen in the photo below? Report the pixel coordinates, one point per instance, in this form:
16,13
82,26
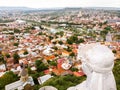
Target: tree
116,71
16,30
63,82
73,69
61,33
7,55
108,28
30,71
16,44
54,42
69,49
7,78
40,66
50,37
25,52
16,58
40,33
81,40
32,27
104,32
105,22
72,54
69,41
55,48
1,58
60,42
74,39
52,63
114,51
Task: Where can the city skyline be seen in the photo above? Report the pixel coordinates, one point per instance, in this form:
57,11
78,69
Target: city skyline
59,3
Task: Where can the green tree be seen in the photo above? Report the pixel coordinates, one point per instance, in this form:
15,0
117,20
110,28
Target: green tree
63,82
52,63
7,78
73,69
72,54
54,42
25,52
61,33
74,39
108,28
114,51
69,41
16,58
81,40
50,37
69,49
116,71
16,30
55,48
40,66
7,55
1,58
60,42
40,33
16,44
104,32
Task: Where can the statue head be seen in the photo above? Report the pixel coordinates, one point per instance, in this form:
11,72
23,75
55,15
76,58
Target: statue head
96,57
97,63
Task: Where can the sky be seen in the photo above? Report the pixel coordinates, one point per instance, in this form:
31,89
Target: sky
60,3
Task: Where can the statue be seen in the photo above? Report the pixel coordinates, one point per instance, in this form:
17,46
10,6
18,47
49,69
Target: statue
24,74
97,63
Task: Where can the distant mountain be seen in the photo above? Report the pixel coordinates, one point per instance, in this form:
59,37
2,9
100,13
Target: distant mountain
15,8
78,8
103,8
49,9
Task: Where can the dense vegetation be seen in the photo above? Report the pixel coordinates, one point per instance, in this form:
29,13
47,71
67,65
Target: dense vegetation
62,82
7,78
116,72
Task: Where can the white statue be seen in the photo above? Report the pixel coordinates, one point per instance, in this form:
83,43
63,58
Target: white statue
97,63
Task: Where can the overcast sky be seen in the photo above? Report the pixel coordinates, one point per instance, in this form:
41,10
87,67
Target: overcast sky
60,3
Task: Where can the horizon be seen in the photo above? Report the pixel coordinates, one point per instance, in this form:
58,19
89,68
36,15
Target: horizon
51,7
59,3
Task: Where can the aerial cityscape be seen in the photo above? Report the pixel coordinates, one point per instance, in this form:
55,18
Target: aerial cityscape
40,47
